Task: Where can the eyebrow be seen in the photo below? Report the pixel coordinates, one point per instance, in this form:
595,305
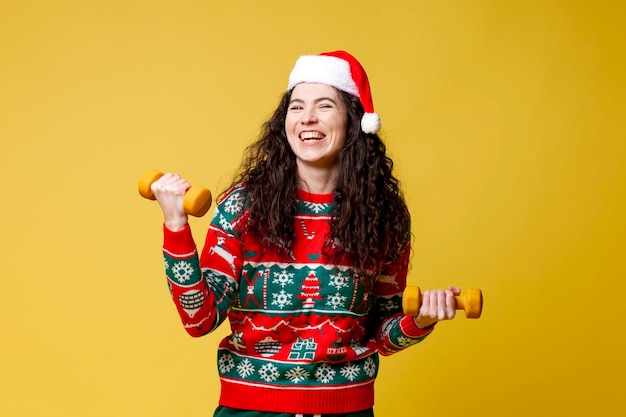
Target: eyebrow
317,100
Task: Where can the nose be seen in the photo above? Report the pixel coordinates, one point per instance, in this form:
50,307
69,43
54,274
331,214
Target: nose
309,117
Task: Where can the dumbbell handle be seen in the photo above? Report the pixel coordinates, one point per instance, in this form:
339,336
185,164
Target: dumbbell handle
197,200
471,302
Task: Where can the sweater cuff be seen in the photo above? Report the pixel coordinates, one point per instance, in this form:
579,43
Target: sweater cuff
411,330
180,242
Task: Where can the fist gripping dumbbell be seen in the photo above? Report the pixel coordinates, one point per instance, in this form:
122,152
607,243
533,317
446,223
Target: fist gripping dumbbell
197,200
471,302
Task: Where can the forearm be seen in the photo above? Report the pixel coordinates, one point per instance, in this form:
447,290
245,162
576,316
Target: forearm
399,332
201,296
395,331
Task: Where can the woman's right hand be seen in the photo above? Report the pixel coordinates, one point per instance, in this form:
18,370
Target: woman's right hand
169,191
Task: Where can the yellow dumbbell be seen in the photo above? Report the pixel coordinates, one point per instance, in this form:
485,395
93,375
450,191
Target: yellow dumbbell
471,302
197,199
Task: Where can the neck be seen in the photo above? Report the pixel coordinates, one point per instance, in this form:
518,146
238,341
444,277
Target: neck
317,181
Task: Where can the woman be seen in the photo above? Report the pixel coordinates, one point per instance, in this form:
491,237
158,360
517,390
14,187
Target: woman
306,255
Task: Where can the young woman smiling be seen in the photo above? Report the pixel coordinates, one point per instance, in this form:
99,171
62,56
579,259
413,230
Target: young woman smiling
306,255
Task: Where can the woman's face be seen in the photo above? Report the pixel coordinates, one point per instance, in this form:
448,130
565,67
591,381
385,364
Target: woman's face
316,125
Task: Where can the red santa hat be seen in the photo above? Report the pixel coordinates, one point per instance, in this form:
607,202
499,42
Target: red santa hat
341,70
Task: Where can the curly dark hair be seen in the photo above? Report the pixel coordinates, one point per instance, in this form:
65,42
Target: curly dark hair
370,222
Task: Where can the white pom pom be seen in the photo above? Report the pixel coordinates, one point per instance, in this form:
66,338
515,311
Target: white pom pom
370,123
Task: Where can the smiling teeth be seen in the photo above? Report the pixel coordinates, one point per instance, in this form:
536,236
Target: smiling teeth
311,135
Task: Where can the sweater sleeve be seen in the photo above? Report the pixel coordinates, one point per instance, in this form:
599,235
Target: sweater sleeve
204,285
396,331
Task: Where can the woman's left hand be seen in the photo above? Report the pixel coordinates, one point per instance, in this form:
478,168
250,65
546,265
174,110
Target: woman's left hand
437,305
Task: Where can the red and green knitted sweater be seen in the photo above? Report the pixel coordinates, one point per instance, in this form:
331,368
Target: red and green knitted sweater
299,342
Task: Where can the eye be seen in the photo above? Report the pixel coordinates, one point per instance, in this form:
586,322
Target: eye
295,107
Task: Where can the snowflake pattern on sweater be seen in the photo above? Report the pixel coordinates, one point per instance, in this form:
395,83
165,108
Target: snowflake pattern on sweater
299,326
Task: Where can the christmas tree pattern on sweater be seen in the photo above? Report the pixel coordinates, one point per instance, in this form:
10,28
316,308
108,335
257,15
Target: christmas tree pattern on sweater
295,323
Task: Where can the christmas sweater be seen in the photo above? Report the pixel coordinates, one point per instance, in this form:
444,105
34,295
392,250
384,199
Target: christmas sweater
299,340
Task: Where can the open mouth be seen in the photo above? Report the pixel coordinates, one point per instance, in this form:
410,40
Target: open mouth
311,136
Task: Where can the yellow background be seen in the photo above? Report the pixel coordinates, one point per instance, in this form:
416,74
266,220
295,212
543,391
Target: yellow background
506,124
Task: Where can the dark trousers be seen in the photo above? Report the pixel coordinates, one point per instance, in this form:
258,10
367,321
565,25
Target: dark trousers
233,412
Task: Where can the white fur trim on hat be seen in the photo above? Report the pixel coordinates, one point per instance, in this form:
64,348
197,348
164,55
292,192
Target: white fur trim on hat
323,69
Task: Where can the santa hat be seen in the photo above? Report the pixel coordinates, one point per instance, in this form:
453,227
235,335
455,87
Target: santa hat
341,70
